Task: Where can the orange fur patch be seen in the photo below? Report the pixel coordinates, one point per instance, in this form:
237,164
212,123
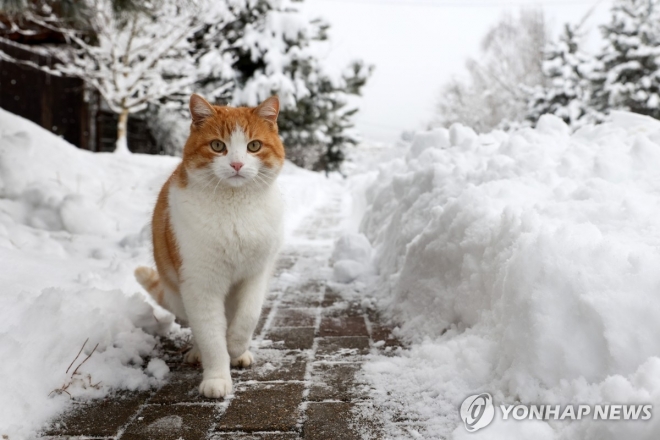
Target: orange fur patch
198,154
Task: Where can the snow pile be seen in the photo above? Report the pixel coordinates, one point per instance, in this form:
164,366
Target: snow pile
351,257
525,265
73,227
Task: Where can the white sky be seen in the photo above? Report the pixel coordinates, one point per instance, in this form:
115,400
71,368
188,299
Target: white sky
417,45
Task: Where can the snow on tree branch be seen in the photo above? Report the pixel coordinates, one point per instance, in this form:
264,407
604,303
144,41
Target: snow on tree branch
135,58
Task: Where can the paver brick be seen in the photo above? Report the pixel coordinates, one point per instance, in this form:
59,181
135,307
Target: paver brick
182,386
343,346
171,422
262,320
329,421
292,338
299,317
255,436
383,333
99,418
344,309
343,326
307,295
332,381
284,263
272,407
274,365
331,297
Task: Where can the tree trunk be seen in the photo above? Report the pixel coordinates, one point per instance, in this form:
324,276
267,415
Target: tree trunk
122,126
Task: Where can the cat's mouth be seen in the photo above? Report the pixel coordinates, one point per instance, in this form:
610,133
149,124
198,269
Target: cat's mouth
237,180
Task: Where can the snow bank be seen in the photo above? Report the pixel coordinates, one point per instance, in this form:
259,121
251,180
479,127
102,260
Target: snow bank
351,257
73,227
523,264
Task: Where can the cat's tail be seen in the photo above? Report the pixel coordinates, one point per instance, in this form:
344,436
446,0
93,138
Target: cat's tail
150,280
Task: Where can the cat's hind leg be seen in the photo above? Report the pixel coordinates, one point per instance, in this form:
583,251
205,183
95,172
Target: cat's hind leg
170,300
243,361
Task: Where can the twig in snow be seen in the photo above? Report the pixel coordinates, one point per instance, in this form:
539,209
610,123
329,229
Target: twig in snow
89,356
64,388
81,349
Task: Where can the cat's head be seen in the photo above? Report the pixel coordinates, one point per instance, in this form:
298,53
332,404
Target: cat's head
235,146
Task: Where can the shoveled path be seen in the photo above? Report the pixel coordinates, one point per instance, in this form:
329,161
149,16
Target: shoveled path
308,347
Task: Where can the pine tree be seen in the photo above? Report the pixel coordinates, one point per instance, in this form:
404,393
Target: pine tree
273,50
319,126
628,74
567,92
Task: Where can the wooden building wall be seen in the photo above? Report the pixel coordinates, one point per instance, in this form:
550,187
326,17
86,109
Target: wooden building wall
63,106
55,103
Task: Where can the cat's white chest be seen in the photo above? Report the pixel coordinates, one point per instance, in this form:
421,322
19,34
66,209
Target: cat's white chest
236,235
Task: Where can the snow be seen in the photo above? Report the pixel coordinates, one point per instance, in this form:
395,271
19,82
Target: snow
351,258
158,368
524,264
73,227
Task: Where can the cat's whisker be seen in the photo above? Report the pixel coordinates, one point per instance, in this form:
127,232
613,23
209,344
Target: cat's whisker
211,176
216,187
262,181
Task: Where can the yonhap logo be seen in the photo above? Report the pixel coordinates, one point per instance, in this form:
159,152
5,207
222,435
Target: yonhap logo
477,411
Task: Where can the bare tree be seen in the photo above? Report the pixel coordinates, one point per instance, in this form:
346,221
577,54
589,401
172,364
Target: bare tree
131,58
497,87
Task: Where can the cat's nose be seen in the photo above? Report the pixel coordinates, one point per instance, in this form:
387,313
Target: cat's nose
236,165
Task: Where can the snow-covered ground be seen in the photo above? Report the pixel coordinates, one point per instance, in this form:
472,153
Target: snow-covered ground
522,264
73,227
526,265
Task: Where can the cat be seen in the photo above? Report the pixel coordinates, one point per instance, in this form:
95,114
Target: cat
217,227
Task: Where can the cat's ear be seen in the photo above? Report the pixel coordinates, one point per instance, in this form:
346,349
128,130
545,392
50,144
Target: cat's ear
269,109
200,109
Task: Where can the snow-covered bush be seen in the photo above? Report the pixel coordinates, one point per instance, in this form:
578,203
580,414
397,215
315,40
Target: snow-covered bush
523,264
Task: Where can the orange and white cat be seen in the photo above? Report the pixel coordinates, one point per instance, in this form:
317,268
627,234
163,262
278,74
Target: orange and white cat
217,228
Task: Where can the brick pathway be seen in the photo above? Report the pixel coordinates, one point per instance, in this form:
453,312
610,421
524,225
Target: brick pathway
308,349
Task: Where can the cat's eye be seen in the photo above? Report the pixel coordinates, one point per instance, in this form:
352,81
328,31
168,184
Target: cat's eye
218,146
254,146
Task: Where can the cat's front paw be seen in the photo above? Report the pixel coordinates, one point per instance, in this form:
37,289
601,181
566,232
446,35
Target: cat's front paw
215,388
243,361
193,356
